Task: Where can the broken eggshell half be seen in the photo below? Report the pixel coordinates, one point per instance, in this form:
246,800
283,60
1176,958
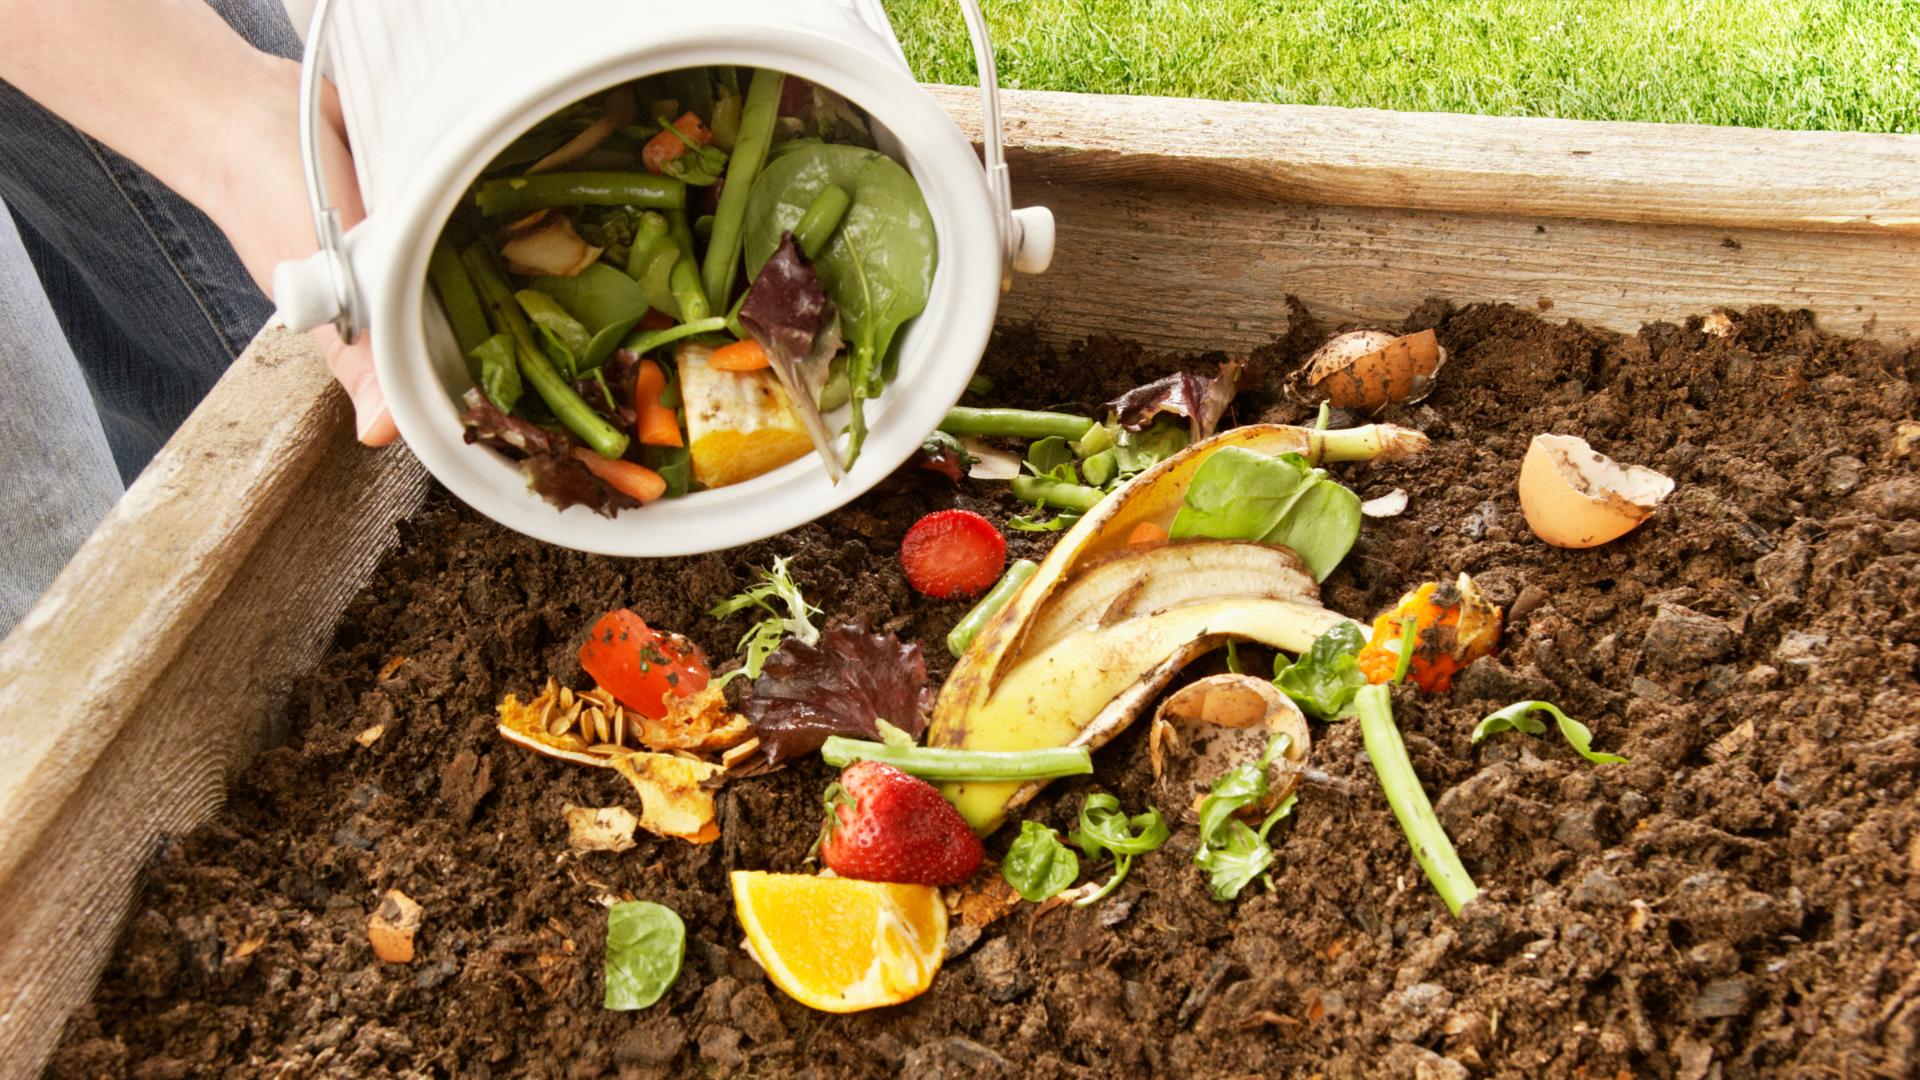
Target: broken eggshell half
1368,370
1573,496
1217,724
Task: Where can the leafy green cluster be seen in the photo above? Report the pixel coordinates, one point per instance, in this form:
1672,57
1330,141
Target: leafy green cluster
1239,494
1518,717
1325,678
1232,852
1040,867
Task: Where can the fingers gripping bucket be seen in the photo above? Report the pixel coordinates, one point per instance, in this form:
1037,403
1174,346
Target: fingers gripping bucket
431,90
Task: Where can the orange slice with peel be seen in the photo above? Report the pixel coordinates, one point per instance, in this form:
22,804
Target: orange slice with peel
840,945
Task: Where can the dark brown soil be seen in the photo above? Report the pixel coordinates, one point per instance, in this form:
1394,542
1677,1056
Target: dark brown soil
1742,898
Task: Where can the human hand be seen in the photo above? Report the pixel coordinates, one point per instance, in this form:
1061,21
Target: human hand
261,205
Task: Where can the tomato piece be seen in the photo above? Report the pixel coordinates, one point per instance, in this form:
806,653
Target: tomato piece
640,666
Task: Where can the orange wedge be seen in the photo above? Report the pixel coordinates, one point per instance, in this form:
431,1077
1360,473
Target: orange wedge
840,945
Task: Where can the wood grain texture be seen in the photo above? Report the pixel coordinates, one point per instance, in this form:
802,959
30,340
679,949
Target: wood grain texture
1183,219
160,658
1712,177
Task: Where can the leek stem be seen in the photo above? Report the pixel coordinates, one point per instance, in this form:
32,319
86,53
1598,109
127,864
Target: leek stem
1409,801
941,763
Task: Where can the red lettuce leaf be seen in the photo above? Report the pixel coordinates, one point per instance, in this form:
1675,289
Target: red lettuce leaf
943,454
545,457
838,687
787,310
1202,400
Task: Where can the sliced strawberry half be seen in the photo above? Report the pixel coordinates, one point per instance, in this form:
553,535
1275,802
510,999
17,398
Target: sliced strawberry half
953,555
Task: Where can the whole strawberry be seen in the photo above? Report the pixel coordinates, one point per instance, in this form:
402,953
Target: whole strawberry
883,825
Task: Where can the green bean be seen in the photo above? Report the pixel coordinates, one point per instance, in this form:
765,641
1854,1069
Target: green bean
970,625
649,340
947,763
684,279
1014,423
1057,494
504,312
749,153
525,194
647,236
823,216
457,298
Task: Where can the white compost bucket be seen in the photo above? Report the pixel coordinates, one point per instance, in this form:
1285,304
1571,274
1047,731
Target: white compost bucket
432,90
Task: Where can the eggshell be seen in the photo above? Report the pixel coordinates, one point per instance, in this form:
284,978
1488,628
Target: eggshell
1575,497
1367,370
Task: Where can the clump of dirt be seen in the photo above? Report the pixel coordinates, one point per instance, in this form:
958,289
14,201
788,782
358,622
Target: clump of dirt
1742,897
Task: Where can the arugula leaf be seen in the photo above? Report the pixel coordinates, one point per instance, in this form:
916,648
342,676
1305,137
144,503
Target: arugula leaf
1038,865
1104,828
1232,853
1053,524
499,374
776,626
1323,681
1238,494
645,944
1518,717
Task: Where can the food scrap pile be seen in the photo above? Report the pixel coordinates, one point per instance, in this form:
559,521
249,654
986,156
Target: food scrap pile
666,287
1024,877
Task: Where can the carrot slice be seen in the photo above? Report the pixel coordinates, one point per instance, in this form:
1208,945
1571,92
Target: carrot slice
740,356
666,146
633,481
1146,534
658,426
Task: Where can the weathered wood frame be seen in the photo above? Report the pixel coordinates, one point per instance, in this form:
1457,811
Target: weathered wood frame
159,661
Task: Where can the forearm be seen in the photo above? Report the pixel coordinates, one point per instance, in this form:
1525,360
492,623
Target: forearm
163,82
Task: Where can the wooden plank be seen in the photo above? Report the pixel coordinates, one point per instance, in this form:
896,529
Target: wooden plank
161,656
1165,207
1711,177
1177,272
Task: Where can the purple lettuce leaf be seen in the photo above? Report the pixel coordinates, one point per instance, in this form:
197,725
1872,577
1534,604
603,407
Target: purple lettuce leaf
841,686
1202,400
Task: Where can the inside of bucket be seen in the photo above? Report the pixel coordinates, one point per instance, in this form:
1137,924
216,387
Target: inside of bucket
685,126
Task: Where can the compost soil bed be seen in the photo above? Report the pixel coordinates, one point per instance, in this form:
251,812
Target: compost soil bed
1742,897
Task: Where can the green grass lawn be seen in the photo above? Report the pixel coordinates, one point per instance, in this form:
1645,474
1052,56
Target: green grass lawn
1838,65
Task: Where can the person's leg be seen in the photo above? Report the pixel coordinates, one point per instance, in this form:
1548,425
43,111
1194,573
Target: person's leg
149,293
60,479
113,288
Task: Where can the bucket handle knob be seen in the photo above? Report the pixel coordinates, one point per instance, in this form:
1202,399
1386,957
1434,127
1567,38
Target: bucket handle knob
1026,235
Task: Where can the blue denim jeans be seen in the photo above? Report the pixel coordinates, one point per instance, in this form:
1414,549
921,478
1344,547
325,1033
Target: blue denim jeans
120,305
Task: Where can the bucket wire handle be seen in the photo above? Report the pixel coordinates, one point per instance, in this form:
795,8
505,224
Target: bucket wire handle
326,219
992,147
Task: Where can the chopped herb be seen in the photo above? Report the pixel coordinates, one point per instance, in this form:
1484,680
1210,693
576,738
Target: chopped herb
1104,828
1038,865
1232,853
776,625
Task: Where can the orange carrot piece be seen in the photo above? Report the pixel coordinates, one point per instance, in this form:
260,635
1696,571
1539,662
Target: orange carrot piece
740,356
665,146
633,481
657,423
1146,534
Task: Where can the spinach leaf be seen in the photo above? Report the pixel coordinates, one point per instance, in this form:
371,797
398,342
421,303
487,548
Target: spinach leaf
1104,828
1518,717
645,943
1038,865
1238,494
1050,457
499,371
878,267
1325,678
673,463
1232,853
598,296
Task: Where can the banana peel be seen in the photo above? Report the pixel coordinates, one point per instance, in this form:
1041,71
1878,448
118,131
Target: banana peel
1136,583
1013,691
1088,686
